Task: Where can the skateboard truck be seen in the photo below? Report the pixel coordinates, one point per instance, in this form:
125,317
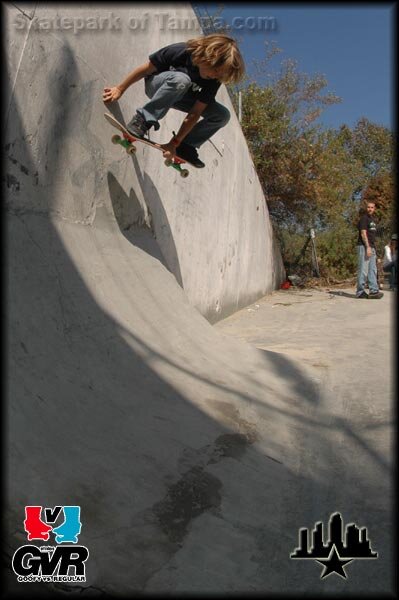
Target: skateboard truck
127,141
131,149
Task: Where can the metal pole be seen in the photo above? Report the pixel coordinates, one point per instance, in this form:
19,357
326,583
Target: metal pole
314,255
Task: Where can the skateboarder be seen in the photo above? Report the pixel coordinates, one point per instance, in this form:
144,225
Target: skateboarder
185,76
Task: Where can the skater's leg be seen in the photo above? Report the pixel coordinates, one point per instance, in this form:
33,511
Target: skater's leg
164,90
214,117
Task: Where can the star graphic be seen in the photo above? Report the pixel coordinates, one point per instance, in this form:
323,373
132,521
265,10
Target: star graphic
334,564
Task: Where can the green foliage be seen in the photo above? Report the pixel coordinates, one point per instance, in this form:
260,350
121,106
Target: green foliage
372,145
335,249
313,177
336,252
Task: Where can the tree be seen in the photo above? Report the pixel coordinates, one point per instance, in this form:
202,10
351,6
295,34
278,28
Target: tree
372,144
381,191
278,122
313,177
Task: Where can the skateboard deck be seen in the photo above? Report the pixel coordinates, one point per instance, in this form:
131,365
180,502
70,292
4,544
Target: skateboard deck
128,142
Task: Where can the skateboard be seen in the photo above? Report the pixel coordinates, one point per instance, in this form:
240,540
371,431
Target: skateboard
128,142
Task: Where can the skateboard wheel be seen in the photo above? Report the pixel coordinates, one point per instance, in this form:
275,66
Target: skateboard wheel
131,150
184,173
168,162
116,139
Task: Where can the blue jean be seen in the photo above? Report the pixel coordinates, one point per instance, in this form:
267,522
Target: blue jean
171,89
391,268
366,270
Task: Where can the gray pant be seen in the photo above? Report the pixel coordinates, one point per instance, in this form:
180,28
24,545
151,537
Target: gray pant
172,89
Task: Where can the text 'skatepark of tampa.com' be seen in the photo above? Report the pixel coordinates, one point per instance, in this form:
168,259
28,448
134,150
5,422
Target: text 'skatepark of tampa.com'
163,21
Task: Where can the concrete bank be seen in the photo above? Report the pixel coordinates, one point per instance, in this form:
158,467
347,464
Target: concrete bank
213,229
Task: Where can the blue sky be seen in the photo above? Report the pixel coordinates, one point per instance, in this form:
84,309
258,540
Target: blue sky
351,45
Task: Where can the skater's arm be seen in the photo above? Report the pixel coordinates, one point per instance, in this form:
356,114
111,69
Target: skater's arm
115,92
138,73
191,119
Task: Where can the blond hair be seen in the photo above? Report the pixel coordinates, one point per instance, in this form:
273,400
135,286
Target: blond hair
218,51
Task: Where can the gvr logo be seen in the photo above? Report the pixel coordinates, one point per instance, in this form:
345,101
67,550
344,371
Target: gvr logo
31,560
49,563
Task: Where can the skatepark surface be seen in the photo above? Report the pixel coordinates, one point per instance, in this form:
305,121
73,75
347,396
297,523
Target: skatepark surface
196,449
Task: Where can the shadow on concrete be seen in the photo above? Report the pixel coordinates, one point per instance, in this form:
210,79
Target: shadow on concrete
291,373
343,294
155,207
131,220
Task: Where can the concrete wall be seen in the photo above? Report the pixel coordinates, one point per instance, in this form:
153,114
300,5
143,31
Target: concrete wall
213,228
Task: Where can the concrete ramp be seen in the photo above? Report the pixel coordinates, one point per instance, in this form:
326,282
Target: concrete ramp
213,229
182,447
126,402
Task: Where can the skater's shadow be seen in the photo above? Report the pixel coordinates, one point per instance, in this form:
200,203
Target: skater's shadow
343,294
133,222
131,219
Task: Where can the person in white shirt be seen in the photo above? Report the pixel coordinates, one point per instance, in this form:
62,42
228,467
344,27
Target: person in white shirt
390,260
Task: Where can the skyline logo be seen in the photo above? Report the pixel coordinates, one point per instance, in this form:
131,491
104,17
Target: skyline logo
334,555
62,563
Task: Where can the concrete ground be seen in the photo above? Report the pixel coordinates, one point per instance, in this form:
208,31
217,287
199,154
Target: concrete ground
196,452
345,347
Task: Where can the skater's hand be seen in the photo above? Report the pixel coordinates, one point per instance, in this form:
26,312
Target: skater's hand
369,251
111,94
169,150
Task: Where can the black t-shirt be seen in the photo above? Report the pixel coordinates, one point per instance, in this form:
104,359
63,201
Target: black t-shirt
176,57
366,222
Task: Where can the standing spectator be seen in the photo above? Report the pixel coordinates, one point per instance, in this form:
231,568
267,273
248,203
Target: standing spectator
367,258
390,261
